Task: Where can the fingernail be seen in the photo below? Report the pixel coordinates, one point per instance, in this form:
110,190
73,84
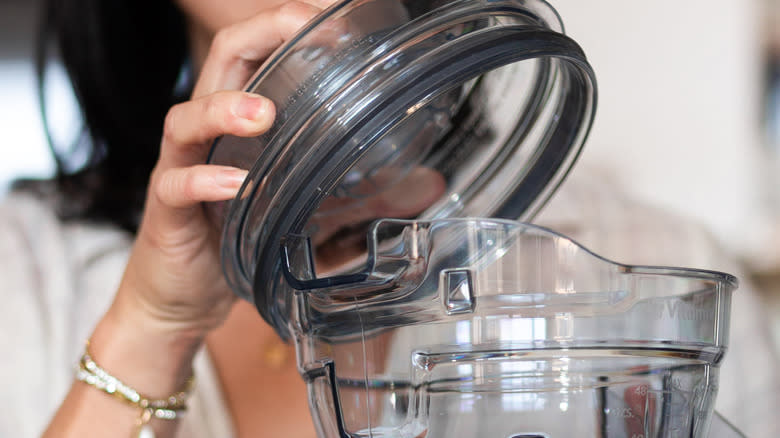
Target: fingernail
231,178
251,107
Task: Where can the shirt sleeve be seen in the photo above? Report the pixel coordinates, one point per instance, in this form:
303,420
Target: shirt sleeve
57,280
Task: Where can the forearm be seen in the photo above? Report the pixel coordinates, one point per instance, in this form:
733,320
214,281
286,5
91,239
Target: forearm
146,356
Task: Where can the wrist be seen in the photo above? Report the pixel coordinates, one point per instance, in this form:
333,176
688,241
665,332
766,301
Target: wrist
184,308
153,358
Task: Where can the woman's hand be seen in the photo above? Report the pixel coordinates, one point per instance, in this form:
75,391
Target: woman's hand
173,279
173,293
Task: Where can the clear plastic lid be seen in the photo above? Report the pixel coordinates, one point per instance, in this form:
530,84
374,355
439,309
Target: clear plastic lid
427,109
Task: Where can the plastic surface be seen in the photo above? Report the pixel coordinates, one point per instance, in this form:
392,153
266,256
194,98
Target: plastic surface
488,97
490,328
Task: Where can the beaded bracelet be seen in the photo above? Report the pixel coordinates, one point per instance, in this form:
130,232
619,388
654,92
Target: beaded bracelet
169,408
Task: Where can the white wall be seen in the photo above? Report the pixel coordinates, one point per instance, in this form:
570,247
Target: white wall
679,106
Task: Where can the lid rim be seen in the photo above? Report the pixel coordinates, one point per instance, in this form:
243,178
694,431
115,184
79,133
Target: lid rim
559,47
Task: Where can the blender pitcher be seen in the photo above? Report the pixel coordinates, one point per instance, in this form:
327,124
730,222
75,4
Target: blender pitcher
444,324
496,328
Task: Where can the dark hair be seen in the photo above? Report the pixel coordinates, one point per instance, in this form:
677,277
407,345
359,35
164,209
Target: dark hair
124,58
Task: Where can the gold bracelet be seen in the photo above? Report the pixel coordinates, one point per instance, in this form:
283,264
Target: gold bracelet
169,408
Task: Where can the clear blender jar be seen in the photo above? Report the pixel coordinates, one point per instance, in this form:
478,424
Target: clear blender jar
485,327
445,324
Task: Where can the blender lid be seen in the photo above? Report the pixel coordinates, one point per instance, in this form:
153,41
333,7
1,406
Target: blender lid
423,109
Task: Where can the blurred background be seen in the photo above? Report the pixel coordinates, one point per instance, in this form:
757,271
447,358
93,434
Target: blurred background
688,117
688,110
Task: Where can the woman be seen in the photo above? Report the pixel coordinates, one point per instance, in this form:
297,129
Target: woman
172,299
